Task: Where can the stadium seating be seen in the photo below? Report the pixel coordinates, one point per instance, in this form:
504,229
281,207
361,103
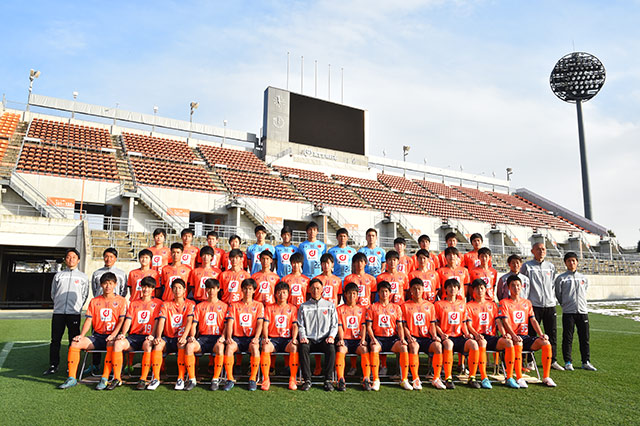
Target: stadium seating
387,201
481,196
482,213
55,132
439,208
442,190
365,183
171,175
232,159
8,124
302,174
256,184
160,148
327,193
402,184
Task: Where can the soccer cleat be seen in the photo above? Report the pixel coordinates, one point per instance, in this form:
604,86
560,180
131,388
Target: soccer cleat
265,385
437,383
352,372
449,384
569,367
190,384
588,366
328,387
153,385
179,384
511,383
102,385
53,369
376,385
530,366
142,385
522,383
342,386
404,384
215,385
253,385
548,381
557,366
486,383
417,384
69,383
366,385
229,385
306,386
114,384
382,371
473,383
292,384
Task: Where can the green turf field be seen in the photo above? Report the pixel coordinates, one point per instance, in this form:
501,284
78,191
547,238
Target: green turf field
609,396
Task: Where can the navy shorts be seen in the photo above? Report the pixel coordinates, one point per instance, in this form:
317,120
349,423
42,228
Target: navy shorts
243,343
171,344
387,342
279,343
527,341
492,342
136,341
352,345
458,344
99,341
207,342
425,343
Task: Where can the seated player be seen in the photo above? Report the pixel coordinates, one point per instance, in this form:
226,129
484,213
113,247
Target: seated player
352,335
485,272
452,269
420,328
482,324
298,282
429,277
208,325
405,263
145,270
234,244
175,270
266,279
399,280
386,332
331,284
200,275
244,328
105,315
174,319
452,328
515,314
280,334
425,243
139,322
365,282
232,277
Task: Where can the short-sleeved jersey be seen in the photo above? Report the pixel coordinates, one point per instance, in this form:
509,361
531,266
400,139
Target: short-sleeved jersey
171,273
280,319
342,258
433,261
366,285
134,279
266,284
489,277
516,314
351,320
105,313
245,317
460,273
283,259
297,288
216,260
230,282
161,257
331,287
451,316
418,317
406,264
175,316
253,256
431,282
143,315
226,262
189,256
482,316
384,319
311,253
442,259
209,317
471,260
197,279
375,259
399,284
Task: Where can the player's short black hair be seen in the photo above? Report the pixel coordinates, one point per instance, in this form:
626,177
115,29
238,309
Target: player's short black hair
145,252
423,237
476,236
570,255
342,231
392,254
235,253
267,253
211,283
315,280
423,252
108,276
371,230
148,282
350,287
281,286
384,284
311,225
326,258
185,231
450,235
296,258
513,257
249,282
259,228
399,240
178,281
359,257
235,237
159,231
513,278
72,250
451,250
212,234
484,250
177,246
286,230
451,282
111,250
416,281
206,250
478,282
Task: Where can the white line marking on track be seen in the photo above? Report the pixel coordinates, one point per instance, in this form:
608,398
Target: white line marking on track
31,346
5,353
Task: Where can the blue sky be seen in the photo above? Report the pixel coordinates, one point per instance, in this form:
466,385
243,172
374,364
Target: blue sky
462,82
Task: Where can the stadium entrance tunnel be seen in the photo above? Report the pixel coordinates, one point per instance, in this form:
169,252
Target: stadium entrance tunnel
26,274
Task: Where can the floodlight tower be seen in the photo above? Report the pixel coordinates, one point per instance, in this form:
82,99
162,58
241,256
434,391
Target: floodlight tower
32,76
576,78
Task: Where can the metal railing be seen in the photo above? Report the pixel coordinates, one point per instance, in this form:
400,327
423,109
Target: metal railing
34,197
161,209
20,209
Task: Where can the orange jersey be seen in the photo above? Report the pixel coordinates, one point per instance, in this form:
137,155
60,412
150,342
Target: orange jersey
351,320
442,260
245,317
105,313
399,284
161,257
451,316
366,285
280,319
433,261
226,262
216,260
297,288
384,319
406,264
266,284
418,317
198,277
230,283
471,260
189,256
170,273
331,287
516,314
210,317
175,316
133,282
460,273
482,316
142,315
489,277
431,282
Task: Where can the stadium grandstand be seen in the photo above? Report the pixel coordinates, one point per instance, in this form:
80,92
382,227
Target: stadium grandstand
108,178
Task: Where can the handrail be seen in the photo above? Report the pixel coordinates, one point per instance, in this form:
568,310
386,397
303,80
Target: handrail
506,229
258,213
161,209
38,200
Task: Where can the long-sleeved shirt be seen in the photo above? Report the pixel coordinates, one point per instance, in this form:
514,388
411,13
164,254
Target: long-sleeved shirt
69,291
317,320
121,276
571,292
541,277
502,291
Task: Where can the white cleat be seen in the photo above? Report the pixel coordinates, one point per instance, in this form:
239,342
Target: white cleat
588,366
376,385
405,385
153,385
522,383
548,381
557,366
179,384
437,383
417,384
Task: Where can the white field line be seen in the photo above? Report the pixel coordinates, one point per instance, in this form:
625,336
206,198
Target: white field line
5,353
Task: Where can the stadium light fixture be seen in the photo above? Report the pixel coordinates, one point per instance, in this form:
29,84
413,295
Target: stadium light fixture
509,173
193,106
405,151
384,155
155,111
33,74
576,78
224,135
73,109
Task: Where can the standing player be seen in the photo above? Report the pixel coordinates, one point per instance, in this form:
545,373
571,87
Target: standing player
161,254
110,256
429,277
471,258
398,280
231,278
311,250
364,281
352,336
145,270
284,252
515,263
216,259
297,282
375,256
176,270
234,244
189,252
200,275
452,269
254,250
425,243
265,279
485,272
452,241
331,284
342,254
406,263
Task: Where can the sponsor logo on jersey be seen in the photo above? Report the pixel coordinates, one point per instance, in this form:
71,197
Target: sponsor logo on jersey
519,317
106,314
176,320
484,318
384,321
211,318
144,317
419,318
281,321
245,320
454,318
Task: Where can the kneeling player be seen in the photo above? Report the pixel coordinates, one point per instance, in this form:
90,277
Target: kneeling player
352,333
208,323
420,328
106,315
385,329
280,334
515,314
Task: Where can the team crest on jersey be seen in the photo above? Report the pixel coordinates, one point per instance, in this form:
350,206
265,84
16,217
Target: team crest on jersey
144,317
233,286
106,314
454,318
253,309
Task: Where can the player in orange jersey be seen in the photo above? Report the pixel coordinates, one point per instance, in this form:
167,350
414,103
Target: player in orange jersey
174,322
208,325
298,282
399,280
202,273
331,284
472,258
231,278
189,252
366,283
161,254
105,315
352,336
452,269
515,313
266,279
244,328
485,272
429,277
425,243
216,258
406,263
234,243
452,241
280,334
145,270
452,329
386,332
175,270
